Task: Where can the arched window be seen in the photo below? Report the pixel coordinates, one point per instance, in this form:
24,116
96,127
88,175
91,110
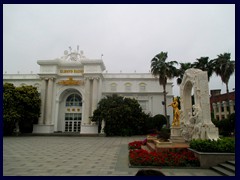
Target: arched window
142,87
23,84
128,87
113,87
74,100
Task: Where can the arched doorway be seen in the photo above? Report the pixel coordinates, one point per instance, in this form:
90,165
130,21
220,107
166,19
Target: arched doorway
69,110
73,113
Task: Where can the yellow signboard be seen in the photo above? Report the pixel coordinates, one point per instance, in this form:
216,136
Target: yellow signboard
71,71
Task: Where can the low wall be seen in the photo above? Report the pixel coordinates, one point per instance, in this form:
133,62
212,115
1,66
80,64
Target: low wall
208,159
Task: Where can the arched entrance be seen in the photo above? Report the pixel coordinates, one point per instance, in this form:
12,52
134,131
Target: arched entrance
69,110
73,113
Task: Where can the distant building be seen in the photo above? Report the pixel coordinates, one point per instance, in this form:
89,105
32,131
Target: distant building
219,104
72,86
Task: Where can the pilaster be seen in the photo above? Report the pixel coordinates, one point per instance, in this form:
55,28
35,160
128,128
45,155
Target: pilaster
225,109
219,105
94,94
43,101
214,110
86,119
49,101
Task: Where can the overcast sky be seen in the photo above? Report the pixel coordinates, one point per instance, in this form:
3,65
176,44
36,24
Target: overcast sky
128,36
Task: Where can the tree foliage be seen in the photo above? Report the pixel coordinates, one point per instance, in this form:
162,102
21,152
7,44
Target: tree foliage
204,64
20,105
122,116
155,123
226,127
10,109
164,70
224,67
181,71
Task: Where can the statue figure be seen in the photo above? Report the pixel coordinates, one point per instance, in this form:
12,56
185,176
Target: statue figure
197,122
176,116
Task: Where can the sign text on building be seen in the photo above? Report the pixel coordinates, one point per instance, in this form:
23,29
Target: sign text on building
71,71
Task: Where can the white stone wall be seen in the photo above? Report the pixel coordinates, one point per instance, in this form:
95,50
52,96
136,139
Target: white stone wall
52,71
23,79
152,94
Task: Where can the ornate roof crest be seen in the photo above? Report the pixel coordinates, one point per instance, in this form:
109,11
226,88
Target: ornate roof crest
73,55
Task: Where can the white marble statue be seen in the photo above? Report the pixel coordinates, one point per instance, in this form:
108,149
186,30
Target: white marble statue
196,119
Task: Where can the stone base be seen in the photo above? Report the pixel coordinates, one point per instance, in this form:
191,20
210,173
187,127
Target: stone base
89,129
208,159
160,144
151,138
176,134
43,128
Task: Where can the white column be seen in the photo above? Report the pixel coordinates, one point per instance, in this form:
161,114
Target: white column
219,104
43,101
86,119
102,126
225,109
56,116
94,94
231,106
49,101
214,110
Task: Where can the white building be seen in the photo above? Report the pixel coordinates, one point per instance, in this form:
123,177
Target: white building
71,87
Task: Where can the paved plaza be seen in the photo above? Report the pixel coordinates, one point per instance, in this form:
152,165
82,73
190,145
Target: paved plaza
75,156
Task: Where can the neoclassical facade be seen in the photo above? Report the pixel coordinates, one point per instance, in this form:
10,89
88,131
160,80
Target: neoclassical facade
219,104
71,87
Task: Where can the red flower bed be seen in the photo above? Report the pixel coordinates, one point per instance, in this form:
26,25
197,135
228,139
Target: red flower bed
180,157
135,145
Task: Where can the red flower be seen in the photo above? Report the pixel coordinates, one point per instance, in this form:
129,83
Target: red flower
181,157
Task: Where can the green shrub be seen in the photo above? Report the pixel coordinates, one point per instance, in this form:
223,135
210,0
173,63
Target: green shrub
122,116
221,145
226,126
21,105
155,123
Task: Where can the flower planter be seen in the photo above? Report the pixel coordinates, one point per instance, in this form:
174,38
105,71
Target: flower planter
151,138
209,159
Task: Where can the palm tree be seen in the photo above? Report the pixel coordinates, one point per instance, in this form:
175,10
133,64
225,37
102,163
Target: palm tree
204,64
164,70
181,71
224,67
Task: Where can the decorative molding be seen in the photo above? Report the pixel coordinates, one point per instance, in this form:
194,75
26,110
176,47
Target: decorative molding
70,81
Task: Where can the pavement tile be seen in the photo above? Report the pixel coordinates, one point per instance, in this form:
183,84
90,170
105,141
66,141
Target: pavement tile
74,156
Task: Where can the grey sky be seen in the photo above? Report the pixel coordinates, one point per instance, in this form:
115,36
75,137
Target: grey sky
128,36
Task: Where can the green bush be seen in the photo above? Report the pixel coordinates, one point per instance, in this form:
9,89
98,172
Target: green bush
155,123
226,126
122,116
21,105
225,144
163,135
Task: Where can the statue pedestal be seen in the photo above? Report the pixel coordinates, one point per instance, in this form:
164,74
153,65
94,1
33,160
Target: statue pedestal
176,134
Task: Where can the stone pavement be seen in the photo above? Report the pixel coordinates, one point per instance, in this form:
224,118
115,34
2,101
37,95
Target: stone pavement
75,156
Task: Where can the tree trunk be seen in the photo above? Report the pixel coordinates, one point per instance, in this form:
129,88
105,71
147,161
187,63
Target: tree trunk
228,99
165,105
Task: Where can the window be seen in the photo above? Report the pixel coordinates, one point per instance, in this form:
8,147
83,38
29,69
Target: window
23,84
73,116
222,108
74,100
142,87
128,87
113,87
